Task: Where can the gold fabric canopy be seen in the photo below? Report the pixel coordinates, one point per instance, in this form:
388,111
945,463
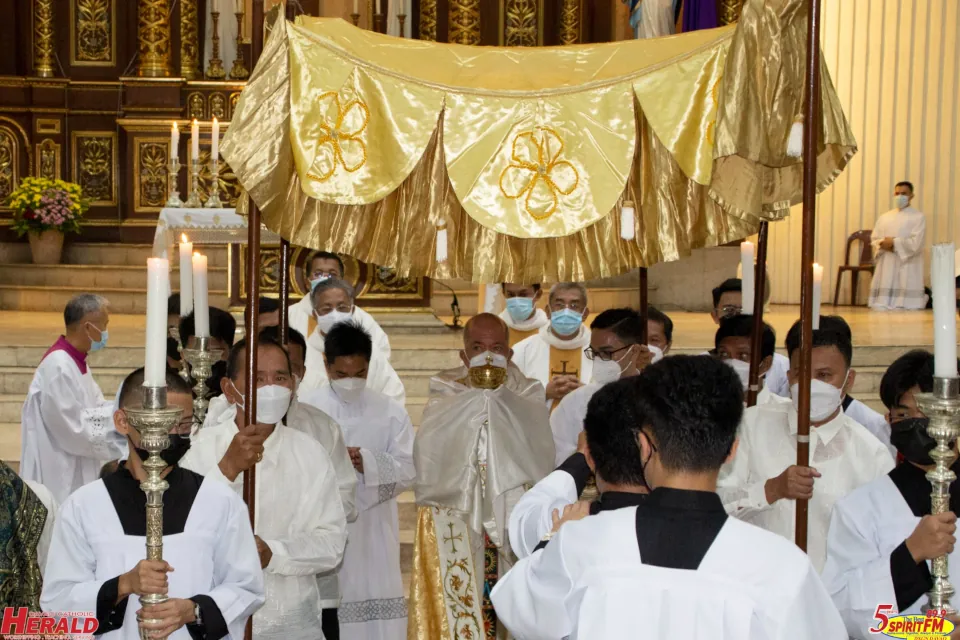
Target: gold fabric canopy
365,144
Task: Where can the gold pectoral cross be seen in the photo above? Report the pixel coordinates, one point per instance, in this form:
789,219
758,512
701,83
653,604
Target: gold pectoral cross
452,538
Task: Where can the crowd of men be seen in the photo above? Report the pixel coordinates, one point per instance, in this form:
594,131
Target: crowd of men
570,481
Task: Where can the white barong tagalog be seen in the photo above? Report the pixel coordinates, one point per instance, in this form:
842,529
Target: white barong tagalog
373,605
898,278
66,427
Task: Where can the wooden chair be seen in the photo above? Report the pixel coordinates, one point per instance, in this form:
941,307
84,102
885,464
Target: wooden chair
865,264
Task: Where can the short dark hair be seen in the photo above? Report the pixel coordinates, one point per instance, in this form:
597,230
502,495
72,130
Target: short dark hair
692,406
833,332
235,361
173,305
293,336
326,255
663,320
223,326
267,305
728,285
904,183
534,286
612,424
130,395
741,326
624,323
347,339
912,369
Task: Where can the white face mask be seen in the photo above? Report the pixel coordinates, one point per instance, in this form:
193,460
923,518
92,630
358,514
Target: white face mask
273,401
901,201
824,399
743,370
657,353
326,322
349,390
480,360
607,371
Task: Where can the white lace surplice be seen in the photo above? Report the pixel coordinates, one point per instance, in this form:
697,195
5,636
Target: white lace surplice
898,278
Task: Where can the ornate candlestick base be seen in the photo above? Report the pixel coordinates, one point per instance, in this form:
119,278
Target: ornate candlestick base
201,362
194,202
173,170
356,19
402,18
379,23
153,421
239,70
943,408
215,64
213,202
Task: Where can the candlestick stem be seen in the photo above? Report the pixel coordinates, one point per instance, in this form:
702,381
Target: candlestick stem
201,362
173,170
215,69
194,202
356,19
213,202
942,407
402,18
184,368
379,23
239,70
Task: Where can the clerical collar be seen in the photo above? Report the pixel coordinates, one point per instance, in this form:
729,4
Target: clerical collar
78,356
130,502
913,485
668,498
610,500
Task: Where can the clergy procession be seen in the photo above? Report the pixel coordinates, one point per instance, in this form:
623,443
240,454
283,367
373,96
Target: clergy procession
462,337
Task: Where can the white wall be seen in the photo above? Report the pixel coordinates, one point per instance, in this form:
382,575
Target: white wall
896,66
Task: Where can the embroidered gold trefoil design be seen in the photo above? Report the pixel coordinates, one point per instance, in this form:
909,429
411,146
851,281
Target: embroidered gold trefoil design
537,171
341,143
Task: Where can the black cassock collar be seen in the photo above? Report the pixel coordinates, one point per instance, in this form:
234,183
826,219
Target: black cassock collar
130,501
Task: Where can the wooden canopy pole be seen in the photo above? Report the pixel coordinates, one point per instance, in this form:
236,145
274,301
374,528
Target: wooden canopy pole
756,338
643,302
293,10
253,308
811,130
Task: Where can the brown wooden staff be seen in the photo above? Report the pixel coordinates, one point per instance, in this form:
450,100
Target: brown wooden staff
810,134
643,304
760,292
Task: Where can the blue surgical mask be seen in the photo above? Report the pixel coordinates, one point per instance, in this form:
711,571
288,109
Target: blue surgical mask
901,201
97,345
318,280
519,308
566,322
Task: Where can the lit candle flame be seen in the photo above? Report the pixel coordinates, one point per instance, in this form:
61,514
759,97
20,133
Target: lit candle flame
183,238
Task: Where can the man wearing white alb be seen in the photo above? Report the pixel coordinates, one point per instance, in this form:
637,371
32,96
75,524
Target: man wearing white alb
763,482
66,425
380,438
521,313
899,240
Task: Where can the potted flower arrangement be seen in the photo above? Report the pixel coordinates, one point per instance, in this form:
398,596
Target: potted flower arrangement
45,210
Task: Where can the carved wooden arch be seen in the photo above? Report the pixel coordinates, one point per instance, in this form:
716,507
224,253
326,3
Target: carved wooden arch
16,156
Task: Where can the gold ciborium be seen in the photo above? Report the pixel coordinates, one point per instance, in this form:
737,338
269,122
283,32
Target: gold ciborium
487,376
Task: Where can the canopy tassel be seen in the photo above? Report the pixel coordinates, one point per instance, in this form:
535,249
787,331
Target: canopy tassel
627,224
795,140
442,242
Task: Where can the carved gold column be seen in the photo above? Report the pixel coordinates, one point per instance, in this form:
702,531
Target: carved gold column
428,20
520,23
465,21
730,11
570,22
153,38
43,52
189,40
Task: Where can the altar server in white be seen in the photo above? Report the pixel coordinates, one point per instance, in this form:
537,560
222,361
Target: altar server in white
733,343
899,238
616,352
300,525
380,438
333,302
882,536
66,426
554,355
521,313
675,566
321,266
211,570
763,482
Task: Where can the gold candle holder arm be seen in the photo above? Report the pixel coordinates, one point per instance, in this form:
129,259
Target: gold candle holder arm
193,201
201,360
173,170
213,202
942,407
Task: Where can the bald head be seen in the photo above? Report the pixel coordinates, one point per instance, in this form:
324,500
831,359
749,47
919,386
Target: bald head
485,332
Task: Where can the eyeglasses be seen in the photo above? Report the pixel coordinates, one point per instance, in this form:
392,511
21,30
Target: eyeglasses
729,310
606,356
573,306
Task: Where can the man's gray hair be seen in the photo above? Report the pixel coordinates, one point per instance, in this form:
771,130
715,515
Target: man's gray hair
81,306
327,285
568,286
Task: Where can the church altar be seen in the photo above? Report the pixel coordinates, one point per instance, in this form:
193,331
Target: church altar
202,226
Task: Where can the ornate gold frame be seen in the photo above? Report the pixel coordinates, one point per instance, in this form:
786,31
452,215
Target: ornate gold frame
45,145
113,38
138,207
114,164
502,26
47,126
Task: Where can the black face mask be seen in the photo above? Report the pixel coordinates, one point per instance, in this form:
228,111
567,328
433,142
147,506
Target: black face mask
178,447
911,439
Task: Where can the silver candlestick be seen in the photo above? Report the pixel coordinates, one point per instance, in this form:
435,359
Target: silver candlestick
194,202
184,368
153,421
173,170
201,360
942,407
213,202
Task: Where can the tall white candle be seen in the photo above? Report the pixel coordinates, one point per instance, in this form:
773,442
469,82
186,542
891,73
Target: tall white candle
158,282
186,276
747,277
201,306
817,293
215,141
174,141
943,283
195,139
356,6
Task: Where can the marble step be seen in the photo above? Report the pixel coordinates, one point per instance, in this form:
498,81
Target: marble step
55,298
95,278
